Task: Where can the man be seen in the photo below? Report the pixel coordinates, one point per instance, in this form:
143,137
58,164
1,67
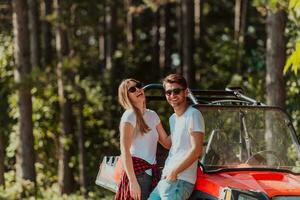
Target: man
187,133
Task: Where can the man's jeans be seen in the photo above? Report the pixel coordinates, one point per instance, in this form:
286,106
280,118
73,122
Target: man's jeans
172,190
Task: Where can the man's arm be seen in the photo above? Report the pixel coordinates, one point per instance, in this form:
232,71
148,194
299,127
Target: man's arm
191,156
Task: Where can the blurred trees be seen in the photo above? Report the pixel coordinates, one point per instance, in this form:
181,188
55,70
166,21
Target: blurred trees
26,155
71,56
66,132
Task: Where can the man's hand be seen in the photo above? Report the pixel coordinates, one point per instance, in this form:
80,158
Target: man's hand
135,190
172,176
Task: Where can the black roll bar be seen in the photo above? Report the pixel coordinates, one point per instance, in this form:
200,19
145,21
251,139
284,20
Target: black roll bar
229,95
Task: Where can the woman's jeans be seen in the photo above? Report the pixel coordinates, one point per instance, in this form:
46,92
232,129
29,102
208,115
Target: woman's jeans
172,190
145,182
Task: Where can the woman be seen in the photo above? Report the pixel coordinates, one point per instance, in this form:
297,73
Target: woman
140,130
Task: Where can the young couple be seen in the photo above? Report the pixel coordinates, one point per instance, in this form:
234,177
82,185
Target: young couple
141,129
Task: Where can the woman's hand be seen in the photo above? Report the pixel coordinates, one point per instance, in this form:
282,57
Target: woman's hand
135,190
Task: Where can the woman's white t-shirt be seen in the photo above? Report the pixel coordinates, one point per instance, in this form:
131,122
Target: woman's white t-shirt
143,146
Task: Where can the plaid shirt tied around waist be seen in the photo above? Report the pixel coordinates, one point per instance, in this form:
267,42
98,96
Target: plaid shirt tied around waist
139,166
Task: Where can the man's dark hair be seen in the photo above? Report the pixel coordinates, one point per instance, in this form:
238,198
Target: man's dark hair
175,78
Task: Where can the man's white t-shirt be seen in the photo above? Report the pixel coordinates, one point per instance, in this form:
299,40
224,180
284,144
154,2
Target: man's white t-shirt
143,146
181,128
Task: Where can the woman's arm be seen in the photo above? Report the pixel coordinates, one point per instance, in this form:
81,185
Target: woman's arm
163,138
126,137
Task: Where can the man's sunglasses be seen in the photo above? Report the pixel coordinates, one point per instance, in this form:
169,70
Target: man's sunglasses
175,91
138,85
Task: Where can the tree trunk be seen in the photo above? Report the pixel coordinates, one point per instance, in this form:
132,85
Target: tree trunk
162,38
198,30
72,30
179,41
276,56
165,36
114,71
275,84
155,45
34,33
167,40
2,156
240,12
46,10
110,23
101,38
81,140
188,41
198,17
25,155
129,24
5,90
65,174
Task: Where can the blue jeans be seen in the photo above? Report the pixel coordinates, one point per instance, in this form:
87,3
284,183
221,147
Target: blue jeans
172,190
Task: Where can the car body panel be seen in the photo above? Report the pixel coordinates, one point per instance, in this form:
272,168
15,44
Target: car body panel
269,182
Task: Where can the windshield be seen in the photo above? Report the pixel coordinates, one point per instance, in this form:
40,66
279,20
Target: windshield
238,137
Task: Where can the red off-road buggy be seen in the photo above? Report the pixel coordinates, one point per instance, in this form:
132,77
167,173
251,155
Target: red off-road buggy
251,151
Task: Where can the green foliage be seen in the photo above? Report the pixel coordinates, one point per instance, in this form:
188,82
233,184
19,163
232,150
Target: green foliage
274,5
7,118
293,61
294,4
155,4
293,107
13,191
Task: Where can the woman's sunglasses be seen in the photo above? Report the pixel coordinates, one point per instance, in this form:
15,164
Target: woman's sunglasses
138,85
175,91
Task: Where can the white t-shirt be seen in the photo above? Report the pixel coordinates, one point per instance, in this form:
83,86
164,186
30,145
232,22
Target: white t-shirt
144,146
181,128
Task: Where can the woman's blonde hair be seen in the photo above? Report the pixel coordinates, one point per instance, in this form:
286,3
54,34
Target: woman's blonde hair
126,103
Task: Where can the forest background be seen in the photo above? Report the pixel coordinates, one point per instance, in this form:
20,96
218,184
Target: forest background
61,63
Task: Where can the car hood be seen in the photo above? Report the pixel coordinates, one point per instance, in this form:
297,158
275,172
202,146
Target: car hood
270,182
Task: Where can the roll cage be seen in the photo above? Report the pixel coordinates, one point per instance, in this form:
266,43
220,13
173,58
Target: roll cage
220,99
233,95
